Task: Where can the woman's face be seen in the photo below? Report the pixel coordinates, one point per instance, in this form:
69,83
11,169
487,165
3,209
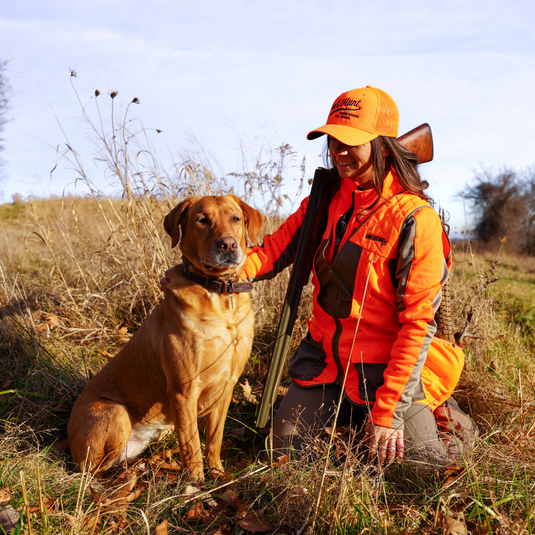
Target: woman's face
355,163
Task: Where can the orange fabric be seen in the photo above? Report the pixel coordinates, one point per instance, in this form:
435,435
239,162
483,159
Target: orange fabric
442,371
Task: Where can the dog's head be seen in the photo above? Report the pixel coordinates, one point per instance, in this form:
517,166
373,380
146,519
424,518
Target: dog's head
212,232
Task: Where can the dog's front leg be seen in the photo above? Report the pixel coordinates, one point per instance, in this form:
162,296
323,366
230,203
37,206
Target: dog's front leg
215,426
184,412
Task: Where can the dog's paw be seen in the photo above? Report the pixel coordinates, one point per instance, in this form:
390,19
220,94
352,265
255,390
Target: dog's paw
219,473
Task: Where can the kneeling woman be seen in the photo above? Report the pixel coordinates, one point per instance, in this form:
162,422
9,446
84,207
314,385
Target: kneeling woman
377,279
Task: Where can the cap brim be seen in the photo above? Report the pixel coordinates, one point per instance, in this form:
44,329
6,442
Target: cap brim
345,134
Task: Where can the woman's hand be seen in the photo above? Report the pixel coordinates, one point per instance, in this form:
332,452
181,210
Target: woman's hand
165,280
388,442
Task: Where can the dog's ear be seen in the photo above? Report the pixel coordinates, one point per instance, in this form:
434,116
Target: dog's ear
176,218
253,219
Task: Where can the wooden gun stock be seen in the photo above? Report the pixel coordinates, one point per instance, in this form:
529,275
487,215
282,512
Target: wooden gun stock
420,141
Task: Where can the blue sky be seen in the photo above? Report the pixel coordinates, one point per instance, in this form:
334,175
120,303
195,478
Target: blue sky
269,71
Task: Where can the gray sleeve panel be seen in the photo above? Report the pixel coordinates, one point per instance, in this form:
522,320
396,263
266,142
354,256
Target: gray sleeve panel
413,389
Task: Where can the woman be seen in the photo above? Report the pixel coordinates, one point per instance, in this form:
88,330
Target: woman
377,284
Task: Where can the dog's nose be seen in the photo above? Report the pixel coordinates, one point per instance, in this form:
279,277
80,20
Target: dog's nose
227,245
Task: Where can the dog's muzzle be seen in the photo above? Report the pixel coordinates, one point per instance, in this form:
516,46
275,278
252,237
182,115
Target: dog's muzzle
227,254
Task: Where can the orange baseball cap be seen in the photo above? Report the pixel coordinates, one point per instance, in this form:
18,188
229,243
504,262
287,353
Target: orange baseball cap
360,115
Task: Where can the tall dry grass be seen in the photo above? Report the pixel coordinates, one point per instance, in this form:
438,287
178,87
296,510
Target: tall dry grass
77,277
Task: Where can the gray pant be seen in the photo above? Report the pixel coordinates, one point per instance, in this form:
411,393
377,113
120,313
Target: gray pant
306,411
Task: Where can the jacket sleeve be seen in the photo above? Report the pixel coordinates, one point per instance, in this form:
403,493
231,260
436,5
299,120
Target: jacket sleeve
421,271
277,250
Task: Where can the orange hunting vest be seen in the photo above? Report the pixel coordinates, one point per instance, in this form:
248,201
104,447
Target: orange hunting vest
377,280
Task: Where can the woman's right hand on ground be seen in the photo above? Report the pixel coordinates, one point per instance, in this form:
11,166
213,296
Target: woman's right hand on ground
385,443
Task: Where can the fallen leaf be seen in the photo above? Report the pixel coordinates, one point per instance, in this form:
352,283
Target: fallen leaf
5,495
122,522
238,432
282,460
161,529
50,323
190,490
134,494
217,531
121,488
230,497
9,518
194,512
449,525
156,458
453,473
248,392
220,475
242,465
126,481
171,466
241,511
260,370
482,530
253,522
51,504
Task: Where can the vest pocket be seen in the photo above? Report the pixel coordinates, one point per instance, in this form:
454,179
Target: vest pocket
373,372
308,361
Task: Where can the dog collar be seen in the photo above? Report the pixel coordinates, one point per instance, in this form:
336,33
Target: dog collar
217,285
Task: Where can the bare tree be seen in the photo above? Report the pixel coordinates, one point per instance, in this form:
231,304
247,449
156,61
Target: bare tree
504,207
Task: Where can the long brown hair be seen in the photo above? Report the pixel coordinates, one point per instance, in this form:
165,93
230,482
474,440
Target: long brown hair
402,160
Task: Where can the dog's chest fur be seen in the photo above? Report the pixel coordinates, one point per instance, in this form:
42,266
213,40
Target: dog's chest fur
219,334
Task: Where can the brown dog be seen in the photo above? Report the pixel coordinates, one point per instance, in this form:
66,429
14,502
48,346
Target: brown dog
187,356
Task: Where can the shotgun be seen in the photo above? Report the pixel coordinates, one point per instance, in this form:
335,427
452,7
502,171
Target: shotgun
420,141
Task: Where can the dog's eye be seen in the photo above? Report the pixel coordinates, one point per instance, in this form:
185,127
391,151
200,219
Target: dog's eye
202,220
236,218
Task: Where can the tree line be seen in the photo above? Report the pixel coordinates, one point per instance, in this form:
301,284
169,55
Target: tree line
503,205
